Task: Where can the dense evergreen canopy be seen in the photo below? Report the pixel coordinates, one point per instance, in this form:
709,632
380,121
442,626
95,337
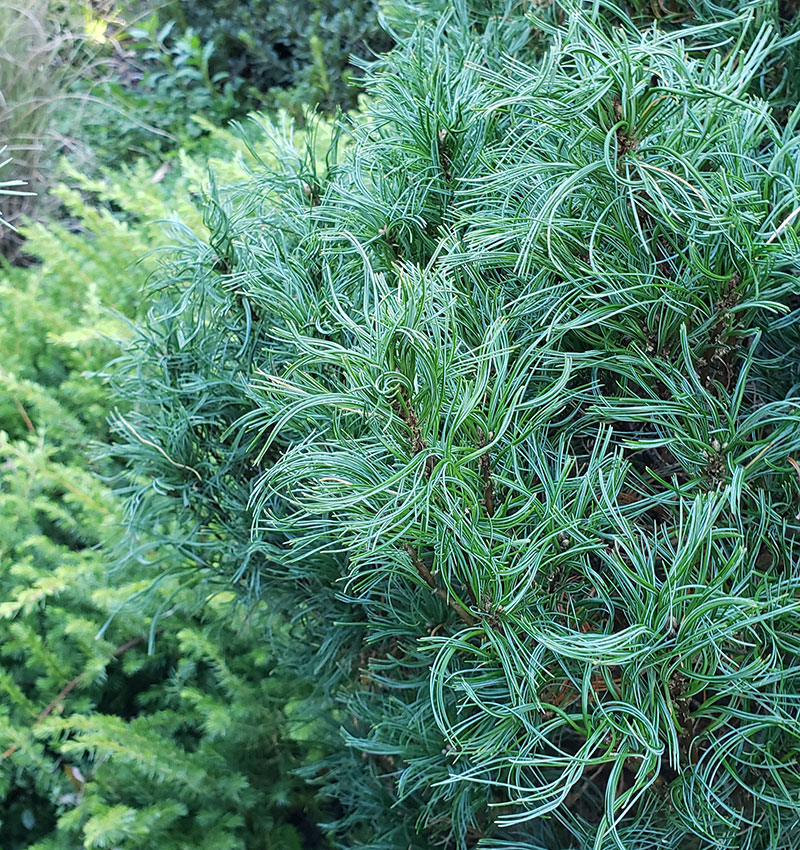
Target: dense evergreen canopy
492,394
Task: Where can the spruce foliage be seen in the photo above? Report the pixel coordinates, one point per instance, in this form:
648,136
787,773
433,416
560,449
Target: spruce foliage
495,402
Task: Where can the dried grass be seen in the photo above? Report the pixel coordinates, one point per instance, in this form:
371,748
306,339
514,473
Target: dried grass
40,59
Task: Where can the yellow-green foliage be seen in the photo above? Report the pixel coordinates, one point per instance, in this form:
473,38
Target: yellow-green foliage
101,743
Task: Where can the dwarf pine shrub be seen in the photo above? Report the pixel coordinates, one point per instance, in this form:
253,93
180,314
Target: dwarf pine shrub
495,402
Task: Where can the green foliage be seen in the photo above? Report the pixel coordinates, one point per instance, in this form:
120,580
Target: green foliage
102,744
498,407
525,29
297,52
151,86
159,65
110,82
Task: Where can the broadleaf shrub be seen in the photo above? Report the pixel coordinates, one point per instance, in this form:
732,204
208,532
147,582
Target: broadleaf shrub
496,404
146,93
295,53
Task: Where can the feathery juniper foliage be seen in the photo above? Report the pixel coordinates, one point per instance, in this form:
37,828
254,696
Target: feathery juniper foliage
102,744
497,406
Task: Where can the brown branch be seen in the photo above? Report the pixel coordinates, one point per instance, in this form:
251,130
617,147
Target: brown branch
311,191
578,790
485,466
427,575
715,361
406,412
444,157
626,141
23,413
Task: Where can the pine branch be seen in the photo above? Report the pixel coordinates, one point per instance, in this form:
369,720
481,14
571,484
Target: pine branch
429,579
406,412
486,473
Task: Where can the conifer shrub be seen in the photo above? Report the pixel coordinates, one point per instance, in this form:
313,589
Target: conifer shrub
106,741
525,29
495,402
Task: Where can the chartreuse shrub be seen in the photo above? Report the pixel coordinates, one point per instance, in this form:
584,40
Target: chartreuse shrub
102,744
497,407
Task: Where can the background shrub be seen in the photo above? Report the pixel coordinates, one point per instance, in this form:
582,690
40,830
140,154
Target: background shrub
103,744
147,91
497,405
296,53
110,82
